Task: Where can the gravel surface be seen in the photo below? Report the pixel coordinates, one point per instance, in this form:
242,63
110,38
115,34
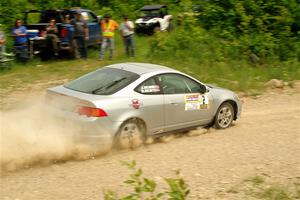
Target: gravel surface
266,140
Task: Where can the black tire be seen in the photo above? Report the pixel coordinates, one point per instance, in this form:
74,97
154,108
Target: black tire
224,116
44,55
131,134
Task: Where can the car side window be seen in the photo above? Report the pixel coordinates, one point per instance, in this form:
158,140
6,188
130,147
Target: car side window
178,84
92,17
85,16
149,86
193,85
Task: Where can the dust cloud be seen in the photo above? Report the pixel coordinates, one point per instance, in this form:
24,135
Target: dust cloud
30,136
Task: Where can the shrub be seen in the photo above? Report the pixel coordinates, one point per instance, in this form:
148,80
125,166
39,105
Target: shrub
145,188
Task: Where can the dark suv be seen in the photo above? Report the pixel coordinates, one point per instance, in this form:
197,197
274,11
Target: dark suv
37,20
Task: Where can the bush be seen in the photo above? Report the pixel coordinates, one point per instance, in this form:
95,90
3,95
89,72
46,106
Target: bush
145,188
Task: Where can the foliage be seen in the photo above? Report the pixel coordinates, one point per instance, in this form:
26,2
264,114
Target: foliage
265,28
260,188
145,188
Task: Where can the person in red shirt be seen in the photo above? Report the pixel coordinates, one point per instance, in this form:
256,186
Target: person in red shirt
108,27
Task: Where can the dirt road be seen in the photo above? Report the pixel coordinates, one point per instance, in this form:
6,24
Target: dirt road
266,140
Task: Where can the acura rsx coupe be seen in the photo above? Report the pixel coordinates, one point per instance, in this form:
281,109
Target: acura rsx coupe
138,100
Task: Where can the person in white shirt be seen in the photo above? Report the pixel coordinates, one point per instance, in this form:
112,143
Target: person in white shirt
127,31
2,41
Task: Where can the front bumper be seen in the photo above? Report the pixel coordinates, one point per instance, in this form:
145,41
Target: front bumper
144,28
239,107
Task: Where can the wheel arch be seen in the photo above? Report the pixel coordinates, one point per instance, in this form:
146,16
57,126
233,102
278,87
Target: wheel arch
136,119
234,105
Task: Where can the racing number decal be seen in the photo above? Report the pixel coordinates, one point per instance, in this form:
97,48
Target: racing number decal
196,102
205,102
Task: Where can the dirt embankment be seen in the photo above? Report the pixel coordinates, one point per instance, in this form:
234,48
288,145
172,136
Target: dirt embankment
266,140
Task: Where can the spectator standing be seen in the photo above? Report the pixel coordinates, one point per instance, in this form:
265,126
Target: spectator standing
2,41
81,34
52,30
67,19
127,31
108,27
69,34
21,43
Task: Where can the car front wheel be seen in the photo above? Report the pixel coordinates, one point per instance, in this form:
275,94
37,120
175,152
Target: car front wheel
224,116
130,135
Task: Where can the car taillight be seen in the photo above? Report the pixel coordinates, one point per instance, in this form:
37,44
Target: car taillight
91,112
64,32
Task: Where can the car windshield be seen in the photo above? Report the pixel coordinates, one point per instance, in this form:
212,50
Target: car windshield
150,13
48,15
105,81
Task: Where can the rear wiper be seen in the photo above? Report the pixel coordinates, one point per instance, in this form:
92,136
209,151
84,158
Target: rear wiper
108,86
96,90
115,82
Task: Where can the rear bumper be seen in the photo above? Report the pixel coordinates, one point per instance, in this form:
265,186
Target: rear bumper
89,130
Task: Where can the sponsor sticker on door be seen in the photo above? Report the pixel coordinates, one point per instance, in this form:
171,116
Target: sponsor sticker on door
196,102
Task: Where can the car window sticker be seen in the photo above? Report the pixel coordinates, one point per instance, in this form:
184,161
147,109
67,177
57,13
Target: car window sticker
150,88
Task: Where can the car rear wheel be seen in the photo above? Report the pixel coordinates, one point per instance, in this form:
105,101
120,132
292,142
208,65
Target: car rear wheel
131,135
224,116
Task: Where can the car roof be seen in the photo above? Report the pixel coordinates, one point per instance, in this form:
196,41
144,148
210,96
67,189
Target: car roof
153,7
60,10
141,68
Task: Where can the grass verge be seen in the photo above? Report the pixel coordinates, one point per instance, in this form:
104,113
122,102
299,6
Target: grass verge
236,75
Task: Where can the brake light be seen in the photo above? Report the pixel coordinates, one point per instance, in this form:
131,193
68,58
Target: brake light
91,112
64,32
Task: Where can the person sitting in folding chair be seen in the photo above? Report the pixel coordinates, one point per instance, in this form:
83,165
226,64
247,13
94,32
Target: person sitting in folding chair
52,30
2,41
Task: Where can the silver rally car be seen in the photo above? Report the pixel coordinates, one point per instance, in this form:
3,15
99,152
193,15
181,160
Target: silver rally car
130,100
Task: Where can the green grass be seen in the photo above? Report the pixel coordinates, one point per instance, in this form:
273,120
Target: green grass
235,75
256,180
275,192
261,187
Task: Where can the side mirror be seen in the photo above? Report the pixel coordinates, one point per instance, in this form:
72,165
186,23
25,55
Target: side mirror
203,89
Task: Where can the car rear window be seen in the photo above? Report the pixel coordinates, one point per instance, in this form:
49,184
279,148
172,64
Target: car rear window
105,81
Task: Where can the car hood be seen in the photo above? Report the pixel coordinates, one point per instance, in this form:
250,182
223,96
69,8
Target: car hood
219,90
217,87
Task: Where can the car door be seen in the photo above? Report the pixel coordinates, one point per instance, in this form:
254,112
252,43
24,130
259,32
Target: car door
184,106
151,100
93,26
